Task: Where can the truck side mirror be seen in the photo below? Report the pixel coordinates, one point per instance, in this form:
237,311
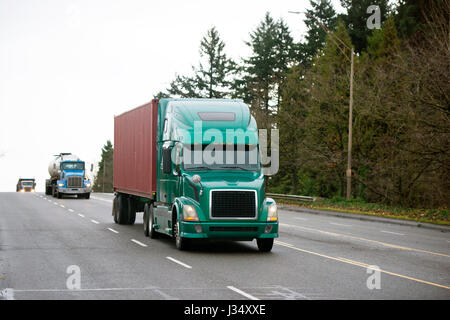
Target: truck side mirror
167,161
92,167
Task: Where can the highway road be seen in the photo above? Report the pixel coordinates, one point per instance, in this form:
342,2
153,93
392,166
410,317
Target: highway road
71,249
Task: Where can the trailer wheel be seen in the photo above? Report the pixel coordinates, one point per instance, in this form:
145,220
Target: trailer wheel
122,210
265,245
131,212
115,208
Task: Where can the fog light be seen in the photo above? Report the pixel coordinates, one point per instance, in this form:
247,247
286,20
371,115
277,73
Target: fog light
198,228
268,228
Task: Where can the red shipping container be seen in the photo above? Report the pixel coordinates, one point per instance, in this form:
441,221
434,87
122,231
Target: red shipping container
135,150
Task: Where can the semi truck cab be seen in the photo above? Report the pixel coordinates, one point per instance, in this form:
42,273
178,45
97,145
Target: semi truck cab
72,180
26,185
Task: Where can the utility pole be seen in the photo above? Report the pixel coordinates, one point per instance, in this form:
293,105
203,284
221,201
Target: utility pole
350,116
350,129
104,170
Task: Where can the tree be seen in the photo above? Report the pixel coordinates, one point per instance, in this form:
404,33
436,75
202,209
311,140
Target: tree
321,15
104,178
356,19
264,71
212,77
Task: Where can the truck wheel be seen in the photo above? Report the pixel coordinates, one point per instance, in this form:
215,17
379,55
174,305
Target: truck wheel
131,214
53,191
122,210
265,245
58,195
87,195
48,191
115,208
149,219
180,242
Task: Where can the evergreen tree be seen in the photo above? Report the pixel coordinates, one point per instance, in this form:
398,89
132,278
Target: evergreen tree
321,15
356,19
272,54
212,78
104,178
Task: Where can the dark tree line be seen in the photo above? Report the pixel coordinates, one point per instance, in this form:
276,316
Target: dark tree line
401,98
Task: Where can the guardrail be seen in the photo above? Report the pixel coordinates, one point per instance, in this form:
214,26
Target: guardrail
290,197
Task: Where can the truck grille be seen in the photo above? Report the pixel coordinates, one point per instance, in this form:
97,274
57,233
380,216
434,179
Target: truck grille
233,204
74,182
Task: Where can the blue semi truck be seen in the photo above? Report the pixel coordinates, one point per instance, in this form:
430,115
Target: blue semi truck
68,177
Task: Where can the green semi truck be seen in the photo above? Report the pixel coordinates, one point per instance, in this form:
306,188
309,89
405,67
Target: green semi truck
193,167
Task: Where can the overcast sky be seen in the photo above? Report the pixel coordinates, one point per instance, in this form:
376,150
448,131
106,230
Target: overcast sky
67,67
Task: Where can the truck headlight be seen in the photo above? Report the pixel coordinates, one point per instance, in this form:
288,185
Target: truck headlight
272,213
189,213
61,185
87,183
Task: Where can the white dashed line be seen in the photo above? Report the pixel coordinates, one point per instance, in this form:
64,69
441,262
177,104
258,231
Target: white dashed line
139,243
96,222
340,224
113,230
179,262
399,234
245,294
70,210
81,215
62,206
298,218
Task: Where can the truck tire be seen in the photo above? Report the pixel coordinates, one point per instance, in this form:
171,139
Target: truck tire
131,214
149,219
122,209
59,195
115,207
48,190
180,242
87,195
265,245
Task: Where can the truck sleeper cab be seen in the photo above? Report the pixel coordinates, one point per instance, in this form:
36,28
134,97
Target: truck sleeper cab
195,173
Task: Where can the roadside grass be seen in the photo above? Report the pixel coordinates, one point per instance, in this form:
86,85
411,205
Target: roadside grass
439,216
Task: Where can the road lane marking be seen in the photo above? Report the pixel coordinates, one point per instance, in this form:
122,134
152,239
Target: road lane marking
62,206
94,221
359,264
179,262
109,201
7,294
399,234
364,239
113,230
298,218
55,203
340,224
139,243
70,210
245,294
81,215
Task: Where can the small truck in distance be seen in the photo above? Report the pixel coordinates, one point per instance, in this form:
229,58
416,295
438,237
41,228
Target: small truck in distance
26,185
193,167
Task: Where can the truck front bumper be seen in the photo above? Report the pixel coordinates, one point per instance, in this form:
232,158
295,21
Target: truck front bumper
74,190
229,230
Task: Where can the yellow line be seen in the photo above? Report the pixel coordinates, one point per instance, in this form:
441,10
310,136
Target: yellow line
359,264
368,240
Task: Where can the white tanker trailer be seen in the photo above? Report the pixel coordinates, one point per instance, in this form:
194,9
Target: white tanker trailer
67,177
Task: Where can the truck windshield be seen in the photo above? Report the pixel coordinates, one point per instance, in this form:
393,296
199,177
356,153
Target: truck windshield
220,157
27,183
72,166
